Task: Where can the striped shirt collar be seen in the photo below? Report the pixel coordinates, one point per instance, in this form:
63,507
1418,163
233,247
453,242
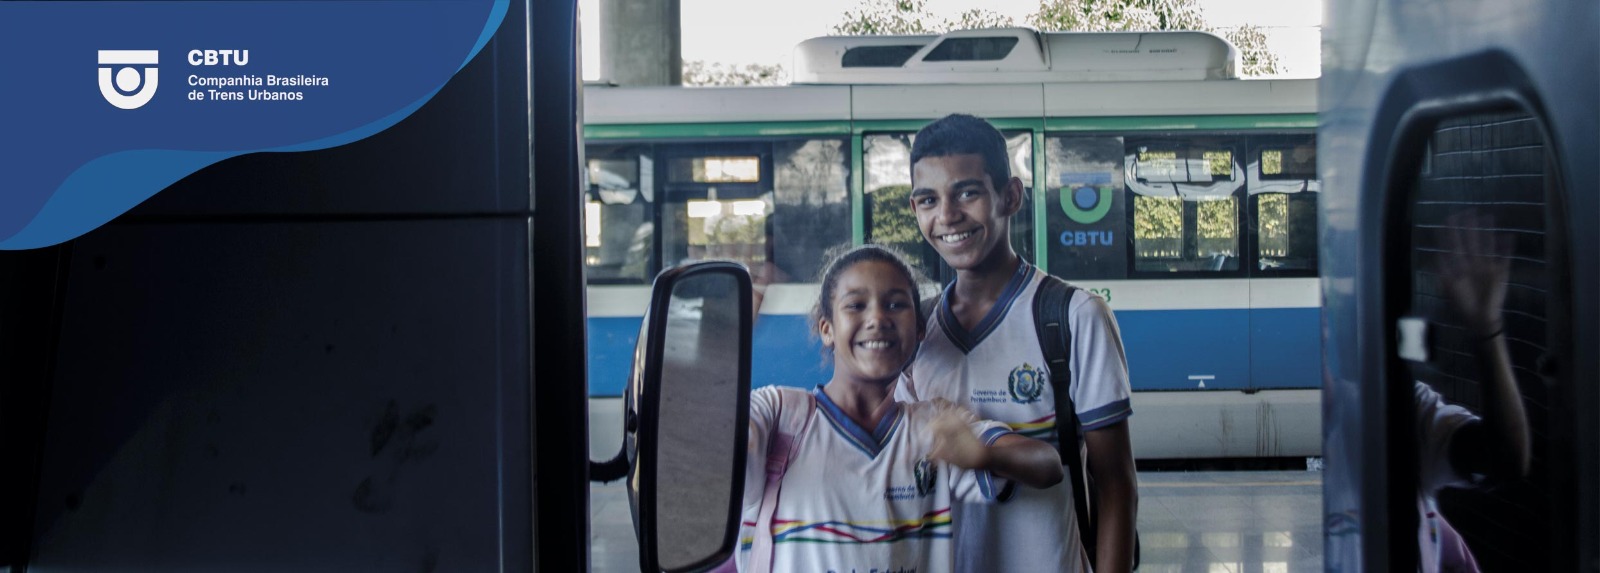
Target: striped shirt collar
870,443
967,341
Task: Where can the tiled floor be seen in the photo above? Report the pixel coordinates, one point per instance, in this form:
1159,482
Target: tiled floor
1209,522
1235,522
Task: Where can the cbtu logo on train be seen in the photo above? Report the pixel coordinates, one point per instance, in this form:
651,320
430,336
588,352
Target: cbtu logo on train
1086,199
1103,238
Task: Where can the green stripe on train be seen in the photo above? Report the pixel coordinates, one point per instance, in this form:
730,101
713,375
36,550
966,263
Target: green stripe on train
1183,122
745,129
1056,124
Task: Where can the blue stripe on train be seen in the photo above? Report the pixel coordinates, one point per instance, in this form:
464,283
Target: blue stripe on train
1287,347
1165,349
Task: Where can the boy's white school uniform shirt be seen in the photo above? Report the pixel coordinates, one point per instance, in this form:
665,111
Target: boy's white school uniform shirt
856,500
999,371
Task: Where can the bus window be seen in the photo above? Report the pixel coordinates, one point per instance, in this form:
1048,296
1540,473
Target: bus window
1283,187
619,235
1084,198
1186,205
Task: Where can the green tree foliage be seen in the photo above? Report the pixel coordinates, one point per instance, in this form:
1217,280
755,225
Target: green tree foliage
1158,226
1252,44
895,224
1157,217
700,73
888,17
979,18
1216,223
910,17
1215,219
879,17
1117,15
1274,217
892,219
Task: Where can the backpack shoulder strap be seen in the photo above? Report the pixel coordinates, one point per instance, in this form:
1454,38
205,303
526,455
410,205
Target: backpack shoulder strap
1055,340
794,418
1050,319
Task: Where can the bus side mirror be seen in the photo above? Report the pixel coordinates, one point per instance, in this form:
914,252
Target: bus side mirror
687,417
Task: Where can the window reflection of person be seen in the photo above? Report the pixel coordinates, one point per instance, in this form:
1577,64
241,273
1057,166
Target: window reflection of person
766,271
1457,447
637,260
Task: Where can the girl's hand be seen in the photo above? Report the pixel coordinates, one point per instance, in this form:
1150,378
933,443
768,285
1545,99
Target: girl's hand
1473,273
953,441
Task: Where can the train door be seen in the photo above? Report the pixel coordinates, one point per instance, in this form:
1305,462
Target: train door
1184,316
1456,172
1486,184
1283,189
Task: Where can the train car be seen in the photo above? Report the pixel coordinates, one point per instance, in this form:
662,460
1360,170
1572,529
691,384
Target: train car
1185,196
1487,108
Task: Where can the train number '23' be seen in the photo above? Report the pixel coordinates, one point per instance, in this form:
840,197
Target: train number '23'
1103,292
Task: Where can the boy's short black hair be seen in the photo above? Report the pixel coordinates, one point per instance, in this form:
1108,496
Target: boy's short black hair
962,134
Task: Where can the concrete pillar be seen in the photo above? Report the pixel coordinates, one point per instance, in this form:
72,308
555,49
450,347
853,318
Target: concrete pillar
639,43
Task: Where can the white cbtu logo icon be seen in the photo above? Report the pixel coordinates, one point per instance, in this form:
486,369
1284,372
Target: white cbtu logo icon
131,88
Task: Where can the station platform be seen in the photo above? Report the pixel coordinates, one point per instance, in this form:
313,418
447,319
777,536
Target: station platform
1207,522
1199,521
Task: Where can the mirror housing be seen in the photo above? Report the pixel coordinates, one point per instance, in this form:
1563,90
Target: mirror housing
686,417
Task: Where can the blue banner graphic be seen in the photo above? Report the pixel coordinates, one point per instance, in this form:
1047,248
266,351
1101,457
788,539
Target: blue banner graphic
103,104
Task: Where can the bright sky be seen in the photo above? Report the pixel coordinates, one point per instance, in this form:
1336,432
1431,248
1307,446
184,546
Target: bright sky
766,31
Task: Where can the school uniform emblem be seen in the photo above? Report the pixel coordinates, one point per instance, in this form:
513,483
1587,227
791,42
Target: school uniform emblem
1027,384
927,474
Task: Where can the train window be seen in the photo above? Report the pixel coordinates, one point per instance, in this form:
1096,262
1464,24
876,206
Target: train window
1217,227
1019,146
775,206
1158,227
1490,198
715,169
878,56
889,217
619,233
1283,190
1084,198
971,50
1294,163
716,198
810,207
1186,207
1286,231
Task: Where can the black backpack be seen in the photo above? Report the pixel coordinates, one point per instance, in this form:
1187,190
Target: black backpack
1055,338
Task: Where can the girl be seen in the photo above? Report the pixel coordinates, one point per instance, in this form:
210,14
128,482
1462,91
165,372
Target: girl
843,478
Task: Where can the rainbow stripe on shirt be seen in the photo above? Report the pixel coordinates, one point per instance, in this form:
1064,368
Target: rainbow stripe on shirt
933,525
1043,429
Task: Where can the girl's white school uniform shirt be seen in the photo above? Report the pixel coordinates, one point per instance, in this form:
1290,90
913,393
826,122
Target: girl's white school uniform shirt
999,371
1440,547
856,500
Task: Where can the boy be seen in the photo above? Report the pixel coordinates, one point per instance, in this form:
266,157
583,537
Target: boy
982,350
